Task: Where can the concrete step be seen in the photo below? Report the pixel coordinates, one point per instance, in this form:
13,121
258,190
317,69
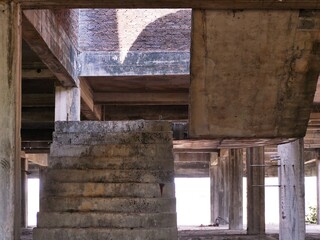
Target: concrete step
105,175
106,220
117,163
117,205
105,234
112,126
112,150
112,138
134,190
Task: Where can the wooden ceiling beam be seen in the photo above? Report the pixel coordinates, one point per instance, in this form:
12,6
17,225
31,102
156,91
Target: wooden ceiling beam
49,41
155,112
88,108
200,4
143,98
35,74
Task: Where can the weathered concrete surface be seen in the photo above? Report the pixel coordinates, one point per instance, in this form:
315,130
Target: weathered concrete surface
10,120
109,180
253,73
292,193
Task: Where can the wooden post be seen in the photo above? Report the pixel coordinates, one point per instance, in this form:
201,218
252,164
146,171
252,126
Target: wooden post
67,104
255,191
235,197
291,181
24,193
10,120
215,183
219,190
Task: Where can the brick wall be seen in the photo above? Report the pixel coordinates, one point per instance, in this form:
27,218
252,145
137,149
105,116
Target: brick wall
134,29
69,20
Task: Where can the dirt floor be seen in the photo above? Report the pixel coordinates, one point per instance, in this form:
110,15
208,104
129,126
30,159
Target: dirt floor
219,233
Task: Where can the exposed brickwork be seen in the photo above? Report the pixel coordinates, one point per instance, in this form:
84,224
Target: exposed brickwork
69,20
154,30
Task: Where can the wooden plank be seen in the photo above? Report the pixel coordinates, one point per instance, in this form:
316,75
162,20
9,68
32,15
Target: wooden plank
88,108
235,190
31,74
50,42
219,187
199,4
147,112
38,100
292,196
255,191
143,98
38,159
226,71
10,122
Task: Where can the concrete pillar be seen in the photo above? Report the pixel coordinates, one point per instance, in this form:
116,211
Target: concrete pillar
255,190
235,192
219,191
67,104
10,110
24,193
292,200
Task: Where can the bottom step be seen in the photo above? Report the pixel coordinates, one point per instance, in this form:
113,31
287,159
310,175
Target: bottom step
105,234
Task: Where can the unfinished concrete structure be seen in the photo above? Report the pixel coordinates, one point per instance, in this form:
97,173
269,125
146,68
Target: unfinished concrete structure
254,71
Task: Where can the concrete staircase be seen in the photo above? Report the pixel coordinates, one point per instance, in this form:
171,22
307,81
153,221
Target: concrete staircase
109,180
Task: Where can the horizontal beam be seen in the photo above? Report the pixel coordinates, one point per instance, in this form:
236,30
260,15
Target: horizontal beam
202,4
34,74
88,108
38,159
49,41
143,98
164,112
38,100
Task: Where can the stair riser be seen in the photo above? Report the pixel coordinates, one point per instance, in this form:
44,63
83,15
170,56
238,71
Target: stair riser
105,220
141,163
112,150
112,126
106,234
117,205
138,190
70,175
111,138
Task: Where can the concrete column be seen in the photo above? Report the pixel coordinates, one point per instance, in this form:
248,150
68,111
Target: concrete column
219,188
67,104
24,193
292,200
10,110
255,190
235,193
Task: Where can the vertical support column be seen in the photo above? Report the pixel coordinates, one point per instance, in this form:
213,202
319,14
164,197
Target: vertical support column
255,190
215,183
291,178
235,193
67,104
10,120
24,193
219,188
318,186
